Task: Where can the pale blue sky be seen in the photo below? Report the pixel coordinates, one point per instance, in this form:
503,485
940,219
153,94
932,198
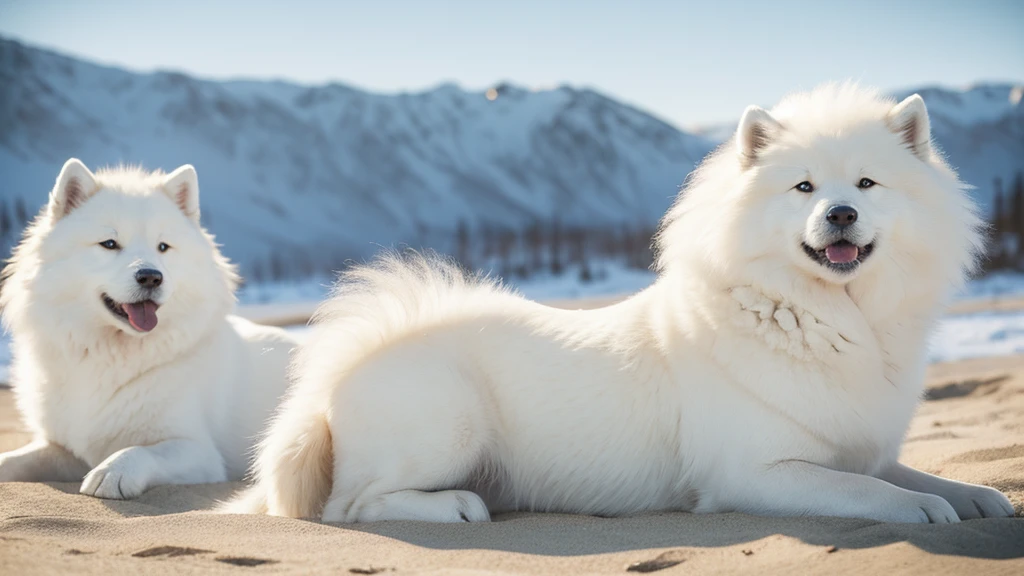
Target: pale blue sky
687,62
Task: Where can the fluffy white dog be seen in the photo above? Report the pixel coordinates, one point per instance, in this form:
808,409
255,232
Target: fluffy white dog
126,362
772,368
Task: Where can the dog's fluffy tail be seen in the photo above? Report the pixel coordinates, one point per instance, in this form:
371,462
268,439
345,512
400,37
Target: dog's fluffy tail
294,469
370,307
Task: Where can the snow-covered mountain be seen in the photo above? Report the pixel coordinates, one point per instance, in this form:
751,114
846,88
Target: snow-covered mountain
316,174
981,131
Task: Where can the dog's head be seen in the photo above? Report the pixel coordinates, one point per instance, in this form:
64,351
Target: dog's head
833,189
123,248
831,185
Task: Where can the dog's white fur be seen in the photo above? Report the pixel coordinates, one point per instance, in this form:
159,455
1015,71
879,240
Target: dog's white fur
126,410
749,377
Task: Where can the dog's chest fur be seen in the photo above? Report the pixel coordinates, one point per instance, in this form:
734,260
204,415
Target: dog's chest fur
95,399
837,397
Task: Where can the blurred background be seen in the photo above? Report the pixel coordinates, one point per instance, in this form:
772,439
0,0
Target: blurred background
538,140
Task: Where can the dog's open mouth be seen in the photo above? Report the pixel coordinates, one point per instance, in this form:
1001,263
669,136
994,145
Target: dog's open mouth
139,315
841,256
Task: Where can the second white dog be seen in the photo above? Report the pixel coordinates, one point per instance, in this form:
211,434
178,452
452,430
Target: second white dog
127,368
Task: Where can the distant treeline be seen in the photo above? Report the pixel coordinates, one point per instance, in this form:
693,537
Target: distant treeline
1006,240
14,217
540,248
551,247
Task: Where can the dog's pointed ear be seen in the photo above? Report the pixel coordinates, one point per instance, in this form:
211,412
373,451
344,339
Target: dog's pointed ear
74,185
182,186
909,120
756,130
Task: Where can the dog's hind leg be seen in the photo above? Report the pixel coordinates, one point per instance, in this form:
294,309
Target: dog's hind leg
443,506
41,461
405,440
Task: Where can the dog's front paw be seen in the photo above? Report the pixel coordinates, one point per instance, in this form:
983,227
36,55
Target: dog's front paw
973,501
917,509
116,478
109,482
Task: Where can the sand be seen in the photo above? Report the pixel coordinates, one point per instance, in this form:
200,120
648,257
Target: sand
971,428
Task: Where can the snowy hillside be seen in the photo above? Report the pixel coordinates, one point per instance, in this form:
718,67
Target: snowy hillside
981,131
283,167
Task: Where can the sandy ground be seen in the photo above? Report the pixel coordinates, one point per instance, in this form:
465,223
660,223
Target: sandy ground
971,428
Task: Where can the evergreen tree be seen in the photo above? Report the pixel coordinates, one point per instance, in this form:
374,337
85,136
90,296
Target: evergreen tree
277,270
488,240
257,273
997,236
577,239
556,247
1015,223
586,276
506,242
534,238
5,220
20,211
628,245
462,244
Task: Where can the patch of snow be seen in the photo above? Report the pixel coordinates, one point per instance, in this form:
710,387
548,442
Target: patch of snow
610,279
5,357
980,335
299,331
314,289
995,285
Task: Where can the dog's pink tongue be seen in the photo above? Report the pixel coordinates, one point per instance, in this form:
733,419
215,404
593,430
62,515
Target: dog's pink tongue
141,315
841,253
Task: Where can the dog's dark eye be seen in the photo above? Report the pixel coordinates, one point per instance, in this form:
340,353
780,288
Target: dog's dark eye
110,244
806,187
865,183
163,247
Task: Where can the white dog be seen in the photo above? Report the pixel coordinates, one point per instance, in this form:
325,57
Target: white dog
125,360
772,368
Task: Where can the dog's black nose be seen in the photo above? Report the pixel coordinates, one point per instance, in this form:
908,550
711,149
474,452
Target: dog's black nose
149,278
841,216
